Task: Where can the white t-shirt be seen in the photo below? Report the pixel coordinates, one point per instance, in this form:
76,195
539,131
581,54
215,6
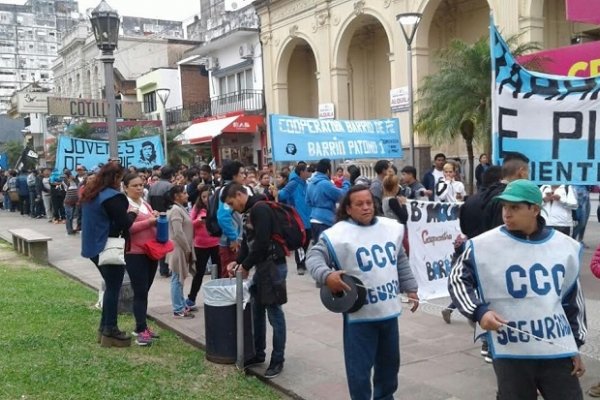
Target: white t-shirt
437,175
447,191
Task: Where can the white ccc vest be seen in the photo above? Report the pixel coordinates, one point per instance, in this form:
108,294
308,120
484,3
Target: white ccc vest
370,254
525,282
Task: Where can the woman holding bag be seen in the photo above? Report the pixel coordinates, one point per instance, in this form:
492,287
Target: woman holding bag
140,267
181,259
105,216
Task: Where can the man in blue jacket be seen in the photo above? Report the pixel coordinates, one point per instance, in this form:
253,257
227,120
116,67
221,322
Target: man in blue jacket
294,194
322,196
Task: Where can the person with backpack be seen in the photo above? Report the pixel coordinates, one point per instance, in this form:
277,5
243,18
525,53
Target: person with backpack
260,249
229,222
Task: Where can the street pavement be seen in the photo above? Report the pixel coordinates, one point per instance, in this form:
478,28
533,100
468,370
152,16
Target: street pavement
439,361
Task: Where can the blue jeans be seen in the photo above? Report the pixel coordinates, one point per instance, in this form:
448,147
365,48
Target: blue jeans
69,215
277,320
584,211
372,347
32,204
113,279
177,299
7,204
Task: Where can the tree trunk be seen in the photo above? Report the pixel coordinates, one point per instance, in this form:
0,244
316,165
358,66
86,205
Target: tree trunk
471,158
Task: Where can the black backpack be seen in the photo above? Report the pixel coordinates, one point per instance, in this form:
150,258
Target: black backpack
212,223
290,234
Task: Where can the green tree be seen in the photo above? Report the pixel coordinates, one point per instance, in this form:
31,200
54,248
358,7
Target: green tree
13,150
82,131
135,132
179,154
456,100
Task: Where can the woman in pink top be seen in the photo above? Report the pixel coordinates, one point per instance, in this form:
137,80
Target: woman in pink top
140,267
205,245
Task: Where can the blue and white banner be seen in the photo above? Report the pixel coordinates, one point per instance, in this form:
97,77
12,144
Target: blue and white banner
143,152
432,229
308,139
553,120
4,161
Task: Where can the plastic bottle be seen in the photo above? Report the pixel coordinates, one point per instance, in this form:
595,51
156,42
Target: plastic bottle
162,228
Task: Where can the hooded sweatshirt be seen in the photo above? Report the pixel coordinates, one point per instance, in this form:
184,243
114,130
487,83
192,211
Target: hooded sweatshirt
294,194
322,196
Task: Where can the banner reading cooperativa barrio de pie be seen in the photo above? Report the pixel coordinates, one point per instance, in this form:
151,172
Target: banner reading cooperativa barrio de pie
551,119
432,229
308,139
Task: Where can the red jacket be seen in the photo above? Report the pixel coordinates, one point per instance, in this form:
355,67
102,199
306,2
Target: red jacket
141,231
595,264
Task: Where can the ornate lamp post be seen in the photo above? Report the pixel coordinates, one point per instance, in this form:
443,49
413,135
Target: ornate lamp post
409,23
163,95
105,24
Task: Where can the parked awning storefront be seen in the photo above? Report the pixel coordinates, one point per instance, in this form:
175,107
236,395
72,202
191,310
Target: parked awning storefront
206,131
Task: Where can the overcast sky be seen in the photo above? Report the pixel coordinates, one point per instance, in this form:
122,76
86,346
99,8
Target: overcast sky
162,9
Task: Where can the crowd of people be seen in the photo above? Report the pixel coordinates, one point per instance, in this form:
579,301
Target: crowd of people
221,218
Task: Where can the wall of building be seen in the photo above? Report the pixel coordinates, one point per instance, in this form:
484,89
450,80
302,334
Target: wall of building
194,85
29,41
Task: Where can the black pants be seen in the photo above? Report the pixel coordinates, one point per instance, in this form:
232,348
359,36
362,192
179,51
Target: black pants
520,379
58,207
141,272
24,204
300,254
202,256
113,279
563,229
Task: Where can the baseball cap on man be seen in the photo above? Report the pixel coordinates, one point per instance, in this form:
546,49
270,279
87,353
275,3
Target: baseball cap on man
521,191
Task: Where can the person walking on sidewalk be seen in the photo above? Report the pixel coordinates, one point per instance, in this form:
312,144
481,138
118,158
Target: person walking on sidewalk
140,268
528,300
260,250
157,197
105,215
376,257
181,259
205,246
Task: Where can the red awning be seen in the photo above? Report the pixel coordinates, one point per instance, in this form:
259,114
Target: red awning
206,131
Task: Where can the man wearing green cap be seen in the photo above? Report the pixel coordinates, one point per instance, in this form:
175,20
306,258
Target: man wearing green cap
520,281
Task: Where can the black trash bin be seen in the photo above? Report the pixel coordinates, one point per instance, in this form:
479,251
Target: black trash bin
220,323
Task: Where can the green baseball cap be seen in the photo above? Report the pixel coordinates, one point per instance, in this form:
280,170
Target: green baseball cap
521,191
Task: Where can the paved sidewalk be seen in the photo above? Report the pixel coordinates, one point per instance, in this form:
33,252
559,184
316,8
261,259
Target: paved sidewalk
439,361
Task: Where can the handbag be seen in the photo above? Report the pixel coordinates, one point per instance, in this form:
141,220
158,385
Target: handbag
156,250
113,253
14,196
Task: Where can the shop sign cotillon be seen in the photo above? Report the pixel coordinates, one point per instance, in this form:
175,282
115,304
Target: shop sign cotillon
92,108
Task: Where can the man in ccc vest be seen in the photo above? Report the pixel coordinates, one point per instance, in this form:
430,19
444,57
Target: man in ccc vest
370,249
520,281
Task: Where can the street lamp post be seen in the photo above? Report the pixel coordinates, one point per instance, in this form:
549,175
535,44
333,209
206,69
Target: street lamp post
163,95
409,23
105,24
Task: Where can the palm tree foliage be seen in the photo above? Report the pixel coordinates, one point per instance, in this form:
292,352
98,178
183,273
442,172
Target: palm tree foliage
13,150
179,154
457,99
82,131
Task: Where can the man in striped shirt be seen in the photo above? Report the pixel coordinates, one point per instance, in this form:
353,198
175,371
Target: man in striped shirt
520,282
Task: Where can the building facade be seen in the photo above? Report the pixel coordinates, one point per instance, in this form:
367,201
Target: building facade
352,53
30,36
232,56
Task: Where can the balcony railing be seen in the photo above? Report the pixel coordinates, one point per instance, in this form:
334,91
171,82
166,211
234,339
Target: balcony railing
244,100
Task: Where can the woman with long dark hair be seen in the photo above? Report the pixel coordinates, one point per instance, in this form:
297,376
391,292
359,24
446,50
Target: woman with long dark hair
140,268
205,245
105,215
181,259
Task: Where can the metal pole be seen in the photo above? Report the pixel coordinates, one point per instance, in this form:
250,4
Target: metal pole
239,296
164,128
44,126
108,59
410,103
